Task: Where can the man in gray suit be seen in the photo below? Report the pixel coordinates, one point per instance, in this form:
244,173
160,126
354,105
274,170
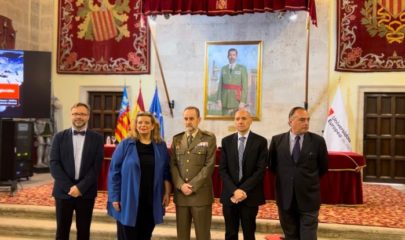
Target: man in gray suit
192,164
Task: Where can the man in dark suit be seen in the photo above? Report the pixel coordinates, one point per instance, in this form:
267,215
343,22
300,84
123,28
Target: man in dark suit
242,165
298,158
75,162
192,164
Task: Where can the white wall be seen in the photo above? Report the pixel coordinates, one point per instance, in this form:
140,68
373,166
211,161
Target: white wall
181,44
32,21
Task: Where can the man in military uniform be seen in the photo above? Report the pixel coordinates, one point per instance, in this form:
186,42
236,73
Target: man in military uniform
233,85
192,164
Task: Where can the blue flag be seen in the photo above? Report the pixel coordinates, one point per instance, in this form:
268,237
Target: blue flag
156,110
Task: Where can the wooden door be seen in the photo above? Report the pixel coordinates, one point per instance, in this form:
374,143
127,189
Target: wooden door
105,107
384,137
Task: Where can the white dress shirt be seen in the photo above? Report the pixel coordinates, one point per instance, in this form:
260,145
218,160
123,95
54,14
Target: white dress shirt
78,143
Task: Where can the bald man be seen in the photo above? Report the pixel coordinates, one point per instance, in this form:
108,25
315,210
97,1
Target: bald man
242,165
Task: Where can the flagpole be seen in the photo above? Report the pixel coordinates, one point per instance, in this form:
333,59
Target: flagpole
171,103
307,61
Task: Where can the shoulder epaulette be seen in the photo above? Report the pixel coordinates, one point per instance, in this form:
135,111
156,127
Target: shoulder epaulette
178,134
207,133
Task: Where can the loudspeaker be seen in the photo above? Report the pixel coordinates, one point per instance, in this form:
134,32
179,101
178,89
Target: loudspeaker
15,150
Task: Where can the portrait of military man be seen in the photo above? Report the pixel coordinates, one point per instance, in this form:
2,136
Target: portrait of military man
232,79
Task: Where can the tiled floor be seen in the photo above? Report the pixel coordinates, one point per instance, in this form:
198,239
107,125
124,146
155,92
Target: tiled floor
398,186
35,180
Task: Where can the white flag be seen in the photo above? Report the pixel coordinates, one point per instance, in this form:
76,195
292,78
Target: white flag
336,132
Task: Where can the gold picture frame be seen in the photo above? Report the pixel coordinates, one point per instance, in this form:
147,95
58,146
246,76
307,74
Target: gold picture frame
228,87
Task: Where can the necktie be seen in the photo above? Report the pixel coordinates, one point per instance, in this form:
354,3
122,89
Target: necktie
296,149
75,132
241,149
189,140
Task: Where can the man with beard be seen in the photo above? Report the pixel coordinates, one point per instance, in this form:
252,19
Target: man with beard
75,162
233,85
192,164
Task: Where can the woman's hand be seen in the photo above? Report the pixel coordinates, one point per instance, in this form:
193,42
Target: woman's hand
166,200
116,206
166,195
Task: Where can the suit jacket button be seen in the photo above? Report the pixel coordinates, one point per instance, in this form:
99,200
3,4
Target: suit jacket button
188,152
186,179
186,170
188,161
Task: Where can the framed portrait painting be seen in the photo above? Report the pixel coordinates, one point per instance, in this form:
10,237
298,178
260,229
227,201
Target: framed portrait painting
232,78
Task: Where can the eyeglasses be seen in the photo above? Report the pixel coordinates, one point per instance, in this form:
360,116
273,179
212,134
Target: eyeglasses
79,114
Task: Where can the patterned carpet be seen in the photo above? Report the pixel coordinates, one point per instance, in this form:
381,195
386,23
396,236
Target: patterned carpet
383,206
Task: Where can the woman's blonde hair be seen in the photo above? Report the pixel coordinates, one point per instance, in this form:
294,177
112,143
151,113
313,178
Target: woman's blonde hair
155,133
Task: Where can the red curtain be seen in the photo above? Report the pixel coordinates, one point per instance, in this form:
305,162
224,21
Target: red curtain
226,7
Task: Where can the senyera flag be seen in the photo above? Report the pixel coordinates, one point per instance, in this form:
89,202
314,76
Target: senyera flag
123,121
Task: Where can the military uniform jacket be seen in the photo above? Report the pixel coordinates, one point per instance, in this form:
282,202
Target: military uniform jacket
239,76
193,165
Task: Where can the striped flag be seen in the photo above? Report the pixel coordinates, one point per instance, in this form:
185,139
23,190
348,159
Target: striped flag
394,7
138,105
156,110
123,122
103,25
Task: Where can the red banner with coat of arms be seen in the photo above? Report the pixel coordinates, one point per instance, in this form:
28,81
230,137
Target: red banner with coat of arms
370,35
102,37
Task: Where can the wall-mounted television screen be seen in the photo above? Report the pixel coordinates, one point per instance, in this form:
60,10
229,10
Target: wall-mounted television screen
25,84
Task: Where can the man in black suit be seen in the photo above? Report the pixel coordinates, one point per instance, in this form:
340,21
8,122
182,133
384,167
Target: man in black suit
242,165
75,162
298,158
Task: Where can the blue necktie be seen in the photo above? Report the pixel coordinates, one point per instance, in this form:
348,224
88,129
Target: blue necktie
241,149
296,149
